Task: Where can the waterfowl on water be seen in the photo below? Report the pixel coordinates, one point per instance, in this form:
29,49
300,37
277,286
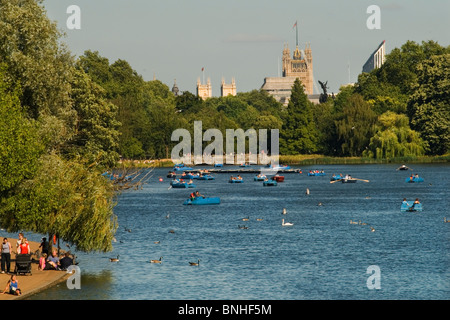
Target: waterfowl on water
372,229
353,222
156,242
114,259
246,219
195,263
242,227
259,219
445,220
284,211
286,223
157,261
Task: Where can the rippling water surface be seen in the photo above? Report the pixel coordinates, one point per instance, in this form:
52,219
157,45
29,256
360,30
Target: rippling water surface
322,256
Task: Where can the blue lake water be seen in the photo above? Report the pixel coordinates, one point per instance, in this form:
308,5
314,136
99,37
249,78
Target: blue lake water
322,256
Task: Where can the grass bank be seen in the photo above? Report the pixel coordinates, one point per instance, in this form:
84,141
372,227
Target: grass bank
321,159
302,159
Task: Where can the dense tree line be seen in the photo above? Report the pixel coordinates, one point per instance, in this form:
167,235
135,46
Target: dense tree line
64,120
398,110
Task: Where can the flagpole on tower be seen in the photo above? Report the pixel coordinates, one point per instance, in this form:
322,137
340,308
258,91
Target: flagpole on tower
296,34
203,73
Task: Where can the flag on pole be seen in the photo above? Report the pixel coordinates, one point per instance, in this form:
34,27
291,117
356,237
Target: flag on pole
295,24
203,68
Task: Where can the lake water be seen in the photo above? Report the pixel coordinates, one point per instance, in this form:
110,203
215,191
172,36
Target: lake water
322,256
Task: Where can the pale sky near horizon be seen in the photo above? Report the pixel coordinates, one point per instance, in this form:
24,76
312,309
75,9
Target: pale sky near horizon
175,39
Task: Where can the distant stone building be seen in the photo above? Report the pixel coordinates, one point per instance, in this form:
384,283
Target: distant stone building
376,59
299,66
175,89
204,91
228,89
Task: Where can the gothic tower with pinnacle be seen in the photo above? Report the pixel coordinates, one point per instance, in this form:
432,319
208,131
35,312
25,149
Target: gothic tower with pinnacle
228,89
204,91
299,66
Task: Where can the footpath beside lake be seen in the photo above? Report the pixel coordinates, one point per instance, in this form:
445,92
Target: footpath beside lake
30,284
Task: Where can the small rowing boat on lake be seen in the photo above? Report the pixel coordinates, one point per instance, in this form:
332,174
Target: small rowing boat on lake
348,180
278,178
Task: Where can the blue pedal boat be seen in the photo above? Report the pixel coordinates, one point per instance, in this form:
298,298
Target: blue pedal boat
270,183
409,206
260,178
206,177
202,201
414,179
179,185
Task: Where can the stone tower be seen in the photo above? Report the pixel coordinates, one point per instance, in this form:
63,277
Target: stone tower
175,89
228,89
204,90
299,66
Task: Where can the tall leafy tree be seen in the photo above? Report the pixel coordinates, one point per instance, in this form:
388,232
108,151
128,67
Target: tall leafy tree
29,45
47,109
20,145
96,129
298,133
429,105
355,126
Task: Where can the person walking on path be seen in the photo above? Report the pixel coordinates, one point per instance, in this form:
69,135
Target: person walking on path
6,255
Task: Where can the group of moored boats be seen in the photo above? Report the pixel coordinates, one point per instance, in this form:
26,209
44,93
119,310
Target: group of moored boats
273,181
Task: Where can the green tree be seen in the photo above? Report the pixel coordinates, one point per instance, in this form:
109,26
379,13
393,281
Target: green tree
394,138
96,136
20,146
47,107
65,198
355,126
429,105
298,134
38,63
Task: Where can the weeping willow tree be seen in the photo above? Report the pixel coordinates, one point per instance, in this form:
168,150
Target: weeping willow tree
394,138
67,199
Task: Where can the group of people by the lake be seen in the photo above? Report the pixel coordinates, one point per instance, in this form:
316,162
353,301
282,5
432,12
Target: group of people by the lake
46,261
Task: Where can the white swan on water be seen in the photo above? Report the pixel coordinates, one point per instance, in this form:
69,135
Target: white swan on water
286,223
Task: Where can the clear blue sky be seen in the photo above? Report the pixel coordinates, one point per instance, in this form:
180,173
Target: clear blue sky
175,39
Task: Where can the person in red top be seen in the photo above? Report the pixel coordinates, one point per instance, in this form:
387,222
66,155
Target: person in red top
24,247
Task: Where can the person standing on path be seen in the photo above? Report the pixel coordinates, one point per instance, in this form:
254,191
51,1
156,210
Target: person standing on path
6,255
